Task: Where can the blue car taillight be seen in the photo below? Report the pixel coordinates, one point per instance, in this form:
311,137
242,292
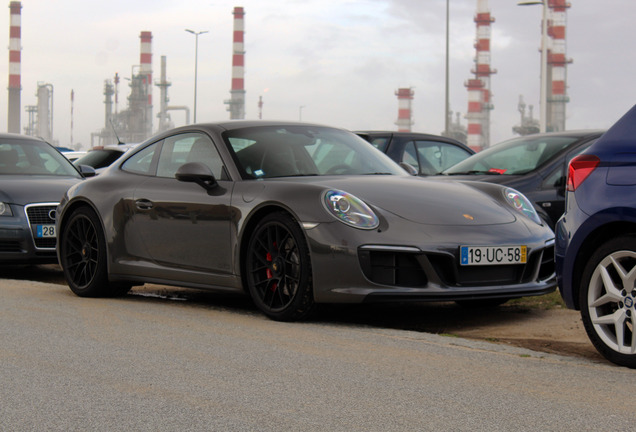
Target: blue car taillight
580,168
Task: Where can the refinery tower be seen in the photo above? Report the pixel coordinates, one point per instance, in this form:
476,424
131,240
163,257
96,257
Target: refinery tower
13,123
236,103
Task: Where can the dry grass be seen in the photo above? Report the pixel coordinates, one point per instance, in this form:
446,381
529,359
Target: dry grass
548,301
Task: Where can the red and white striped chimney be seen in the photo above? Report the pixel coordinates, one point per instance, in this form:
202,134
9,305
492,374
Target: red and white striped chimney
557,61
15,87
145,70
479,96
404,121
236,103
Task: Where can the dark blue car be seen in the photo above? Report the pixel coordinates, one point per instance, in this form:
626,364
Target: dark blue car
596,241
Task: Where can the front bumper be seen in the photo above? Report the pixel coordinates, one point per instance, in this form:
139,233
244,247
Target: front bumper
406,264
18,235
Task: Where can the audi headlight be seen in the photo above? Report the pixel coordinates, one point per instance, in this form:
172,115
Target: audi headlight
350,210
521,204
5,209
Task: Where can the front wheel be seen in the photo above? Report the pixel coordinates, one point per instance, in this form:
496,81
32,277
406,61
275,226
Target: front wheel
83,256
278,269
608,300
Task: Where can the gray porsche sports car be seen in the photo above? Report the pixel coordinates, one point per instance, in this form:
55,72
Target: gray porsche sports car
296,214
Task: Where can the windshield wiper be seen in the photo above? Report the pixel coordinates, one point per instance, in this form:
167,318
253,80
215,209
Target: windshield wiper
378,173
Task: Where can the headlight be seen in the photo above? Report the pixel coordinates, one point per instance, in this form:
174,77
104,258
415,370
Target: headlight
5,209
350,210
520,203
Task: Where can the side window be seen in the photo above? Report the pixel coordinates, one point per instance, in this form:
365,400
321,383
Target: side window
452,155
190,147
410,155
141,162
380,143
558,177
439,155
578,151
555,179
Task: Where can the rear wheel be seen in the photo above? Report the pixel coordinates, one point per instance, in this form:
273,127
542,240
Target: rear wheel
278,269
608,300
83,256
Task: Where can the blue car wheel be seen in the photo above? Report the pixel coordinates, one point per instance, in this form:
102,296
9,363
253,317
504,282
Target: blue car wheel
608,300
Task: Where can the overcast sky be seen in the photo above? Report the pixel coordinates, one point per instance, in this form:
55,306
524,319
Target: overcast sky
342,60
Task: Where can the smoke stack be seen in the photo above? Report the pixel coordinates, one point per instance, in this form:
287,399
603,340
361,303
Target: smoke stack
45,111
479,96
557,61
404,121
13,123
145,70
236,103
163,84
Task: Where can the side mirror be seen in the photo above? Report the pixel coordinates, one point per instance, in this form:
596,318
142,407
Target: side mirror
198,173
409,168
87,171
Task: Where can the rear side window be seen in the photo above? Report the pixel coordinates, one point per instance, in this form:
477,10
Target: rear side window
141,162
380,143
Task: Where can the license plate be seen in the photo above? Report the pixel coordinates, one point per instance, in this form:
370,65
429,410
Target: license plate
492,255
45,231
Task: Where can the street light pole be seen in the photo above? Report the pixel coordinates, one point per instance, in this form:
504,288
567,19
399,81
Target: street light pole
196,59
544,69
300,112
447,103
543,103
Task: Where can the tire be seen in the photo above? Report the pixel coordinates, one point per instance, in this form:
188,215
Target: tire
608,297
83,256
278,269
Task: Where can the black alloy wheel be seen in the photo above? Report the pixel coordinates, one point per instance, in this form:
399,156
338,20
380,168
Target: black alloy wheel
278,269
608,300
83,256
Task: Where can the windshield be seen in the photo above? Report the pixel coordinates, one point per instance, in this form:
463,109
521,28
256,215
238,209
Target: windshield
33,157
287,151
513,157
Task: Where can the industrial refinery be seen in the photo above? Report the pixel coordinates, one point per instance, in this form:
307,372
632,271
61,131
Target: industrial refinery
142,116
480,98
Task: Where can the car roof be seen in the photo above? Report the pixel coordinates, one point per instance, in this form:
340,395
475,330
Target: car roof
570,133
404,134
240,124
123,147
412,135
15,136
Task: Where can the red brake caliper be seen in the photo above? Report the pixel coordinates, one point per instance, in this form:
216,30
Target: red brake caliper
274,284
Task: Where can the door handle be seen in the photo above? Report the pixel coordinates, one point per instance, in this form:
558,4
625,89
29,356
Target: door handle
143,204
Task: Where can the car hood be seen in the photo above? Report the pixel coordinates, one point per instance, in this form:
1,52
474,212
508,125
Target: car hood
23,190
429,202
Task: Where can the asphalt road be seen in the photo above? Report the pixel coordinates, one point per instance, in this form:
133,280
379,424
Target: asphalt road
159,361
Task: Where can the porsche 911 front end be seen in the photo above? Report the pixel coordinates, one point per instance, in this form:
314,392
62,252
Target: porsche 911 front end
430,249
